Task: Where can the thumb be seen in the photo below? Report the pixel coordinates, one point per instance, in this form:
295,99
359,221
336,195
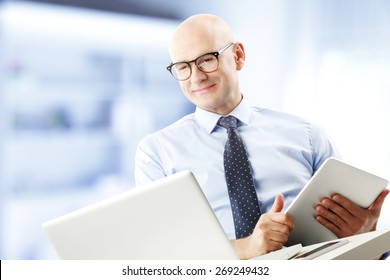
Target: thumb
278,204
377,204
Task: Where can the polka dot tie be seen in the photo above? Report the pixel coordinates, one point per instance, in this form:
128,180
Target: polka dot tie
239,179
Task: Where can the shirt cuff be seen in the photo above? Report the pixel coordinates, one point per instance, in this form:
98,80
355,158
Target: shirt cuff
385,256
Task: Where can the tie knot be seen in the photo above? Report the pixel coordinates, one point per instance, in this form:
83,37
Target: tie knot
228,122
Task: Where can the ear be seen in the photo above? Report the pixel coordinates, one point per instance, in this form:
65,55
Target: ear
239,55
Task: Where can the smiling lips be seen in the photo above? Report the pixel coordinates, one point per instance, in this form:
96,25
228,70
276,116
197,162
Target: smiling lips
203,89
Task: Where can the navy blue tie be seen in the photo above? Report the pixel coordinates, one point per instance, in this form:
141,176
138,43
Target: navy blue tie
239,179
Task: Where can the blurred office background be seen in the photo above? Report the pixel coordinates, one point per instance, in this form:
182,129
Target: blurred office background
81,82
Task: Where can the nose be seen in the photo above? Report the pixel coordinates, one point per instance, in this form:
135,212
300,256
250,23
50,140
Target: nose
197,75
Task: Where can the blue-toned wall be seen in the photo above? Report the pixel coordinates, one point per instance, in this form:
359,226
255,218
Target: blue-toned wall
79,89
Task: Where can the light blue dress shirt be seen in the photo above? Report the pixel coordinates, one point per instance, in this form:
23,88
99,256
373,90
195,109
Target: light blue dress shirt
284,152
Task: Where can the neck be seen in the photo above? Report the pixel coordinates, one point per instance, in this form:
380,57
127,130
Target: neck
228,109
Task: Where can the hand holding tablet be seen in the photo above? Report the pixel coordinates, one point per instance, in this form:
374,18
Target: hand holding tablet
334,176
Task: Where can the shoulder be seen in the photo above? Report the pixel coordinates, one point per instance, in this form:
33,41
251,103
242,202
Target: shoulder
289,124
279,117
174,130
299,129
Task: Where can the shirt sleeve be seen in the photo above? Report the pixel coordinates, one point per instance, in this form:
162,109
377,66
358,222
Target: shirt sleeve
322,145
148,165
385,256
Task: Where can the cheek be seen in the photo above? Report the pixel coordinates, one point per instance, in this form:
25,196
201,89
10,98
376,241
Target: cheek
184,88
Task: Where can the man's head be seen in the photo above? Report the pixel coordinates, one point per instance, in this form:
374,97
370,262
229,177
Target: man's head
218,91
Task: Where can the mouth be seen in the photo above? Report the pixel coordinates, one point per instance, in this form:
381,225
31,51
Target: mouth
203,90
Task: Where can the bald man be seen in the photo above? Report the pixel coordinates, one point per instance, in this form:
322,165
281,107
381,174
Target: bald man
284,151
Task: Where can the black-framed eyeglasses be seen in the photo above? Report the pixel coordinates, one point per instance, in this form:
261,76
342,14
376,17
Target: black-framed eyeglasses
207,63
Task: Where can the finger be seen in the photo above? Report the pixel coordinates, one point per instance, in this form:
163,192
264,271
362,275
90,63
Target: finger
333,228
276,222
271,234
340,211
283,219
346,204
273,246
331,220
278,204
277,234
279,237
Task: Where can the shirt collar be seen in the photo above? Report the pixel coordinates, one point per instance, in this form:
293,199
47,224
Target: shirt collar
208,120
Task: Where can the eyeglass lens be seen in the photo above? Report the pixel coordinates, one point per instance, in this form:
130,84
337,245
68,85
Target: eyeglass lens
206,63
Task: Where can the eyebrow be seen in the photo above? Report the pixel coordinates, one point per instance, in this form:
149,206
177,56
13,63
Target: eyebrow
192,60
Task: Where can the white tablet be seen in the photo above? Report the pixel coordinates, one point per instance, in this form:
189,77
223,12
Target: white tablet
334,176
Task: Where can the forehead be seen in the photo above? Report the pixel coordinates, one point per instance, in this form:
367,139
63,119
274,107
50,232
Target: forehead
190,45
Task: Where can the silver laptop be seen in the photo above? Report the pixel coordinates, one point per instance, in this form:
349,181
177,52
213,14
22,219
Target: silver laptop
167,219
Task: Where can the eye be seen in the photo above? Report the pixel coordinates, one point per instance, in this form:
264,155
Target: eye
181,67
205,59
208,59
